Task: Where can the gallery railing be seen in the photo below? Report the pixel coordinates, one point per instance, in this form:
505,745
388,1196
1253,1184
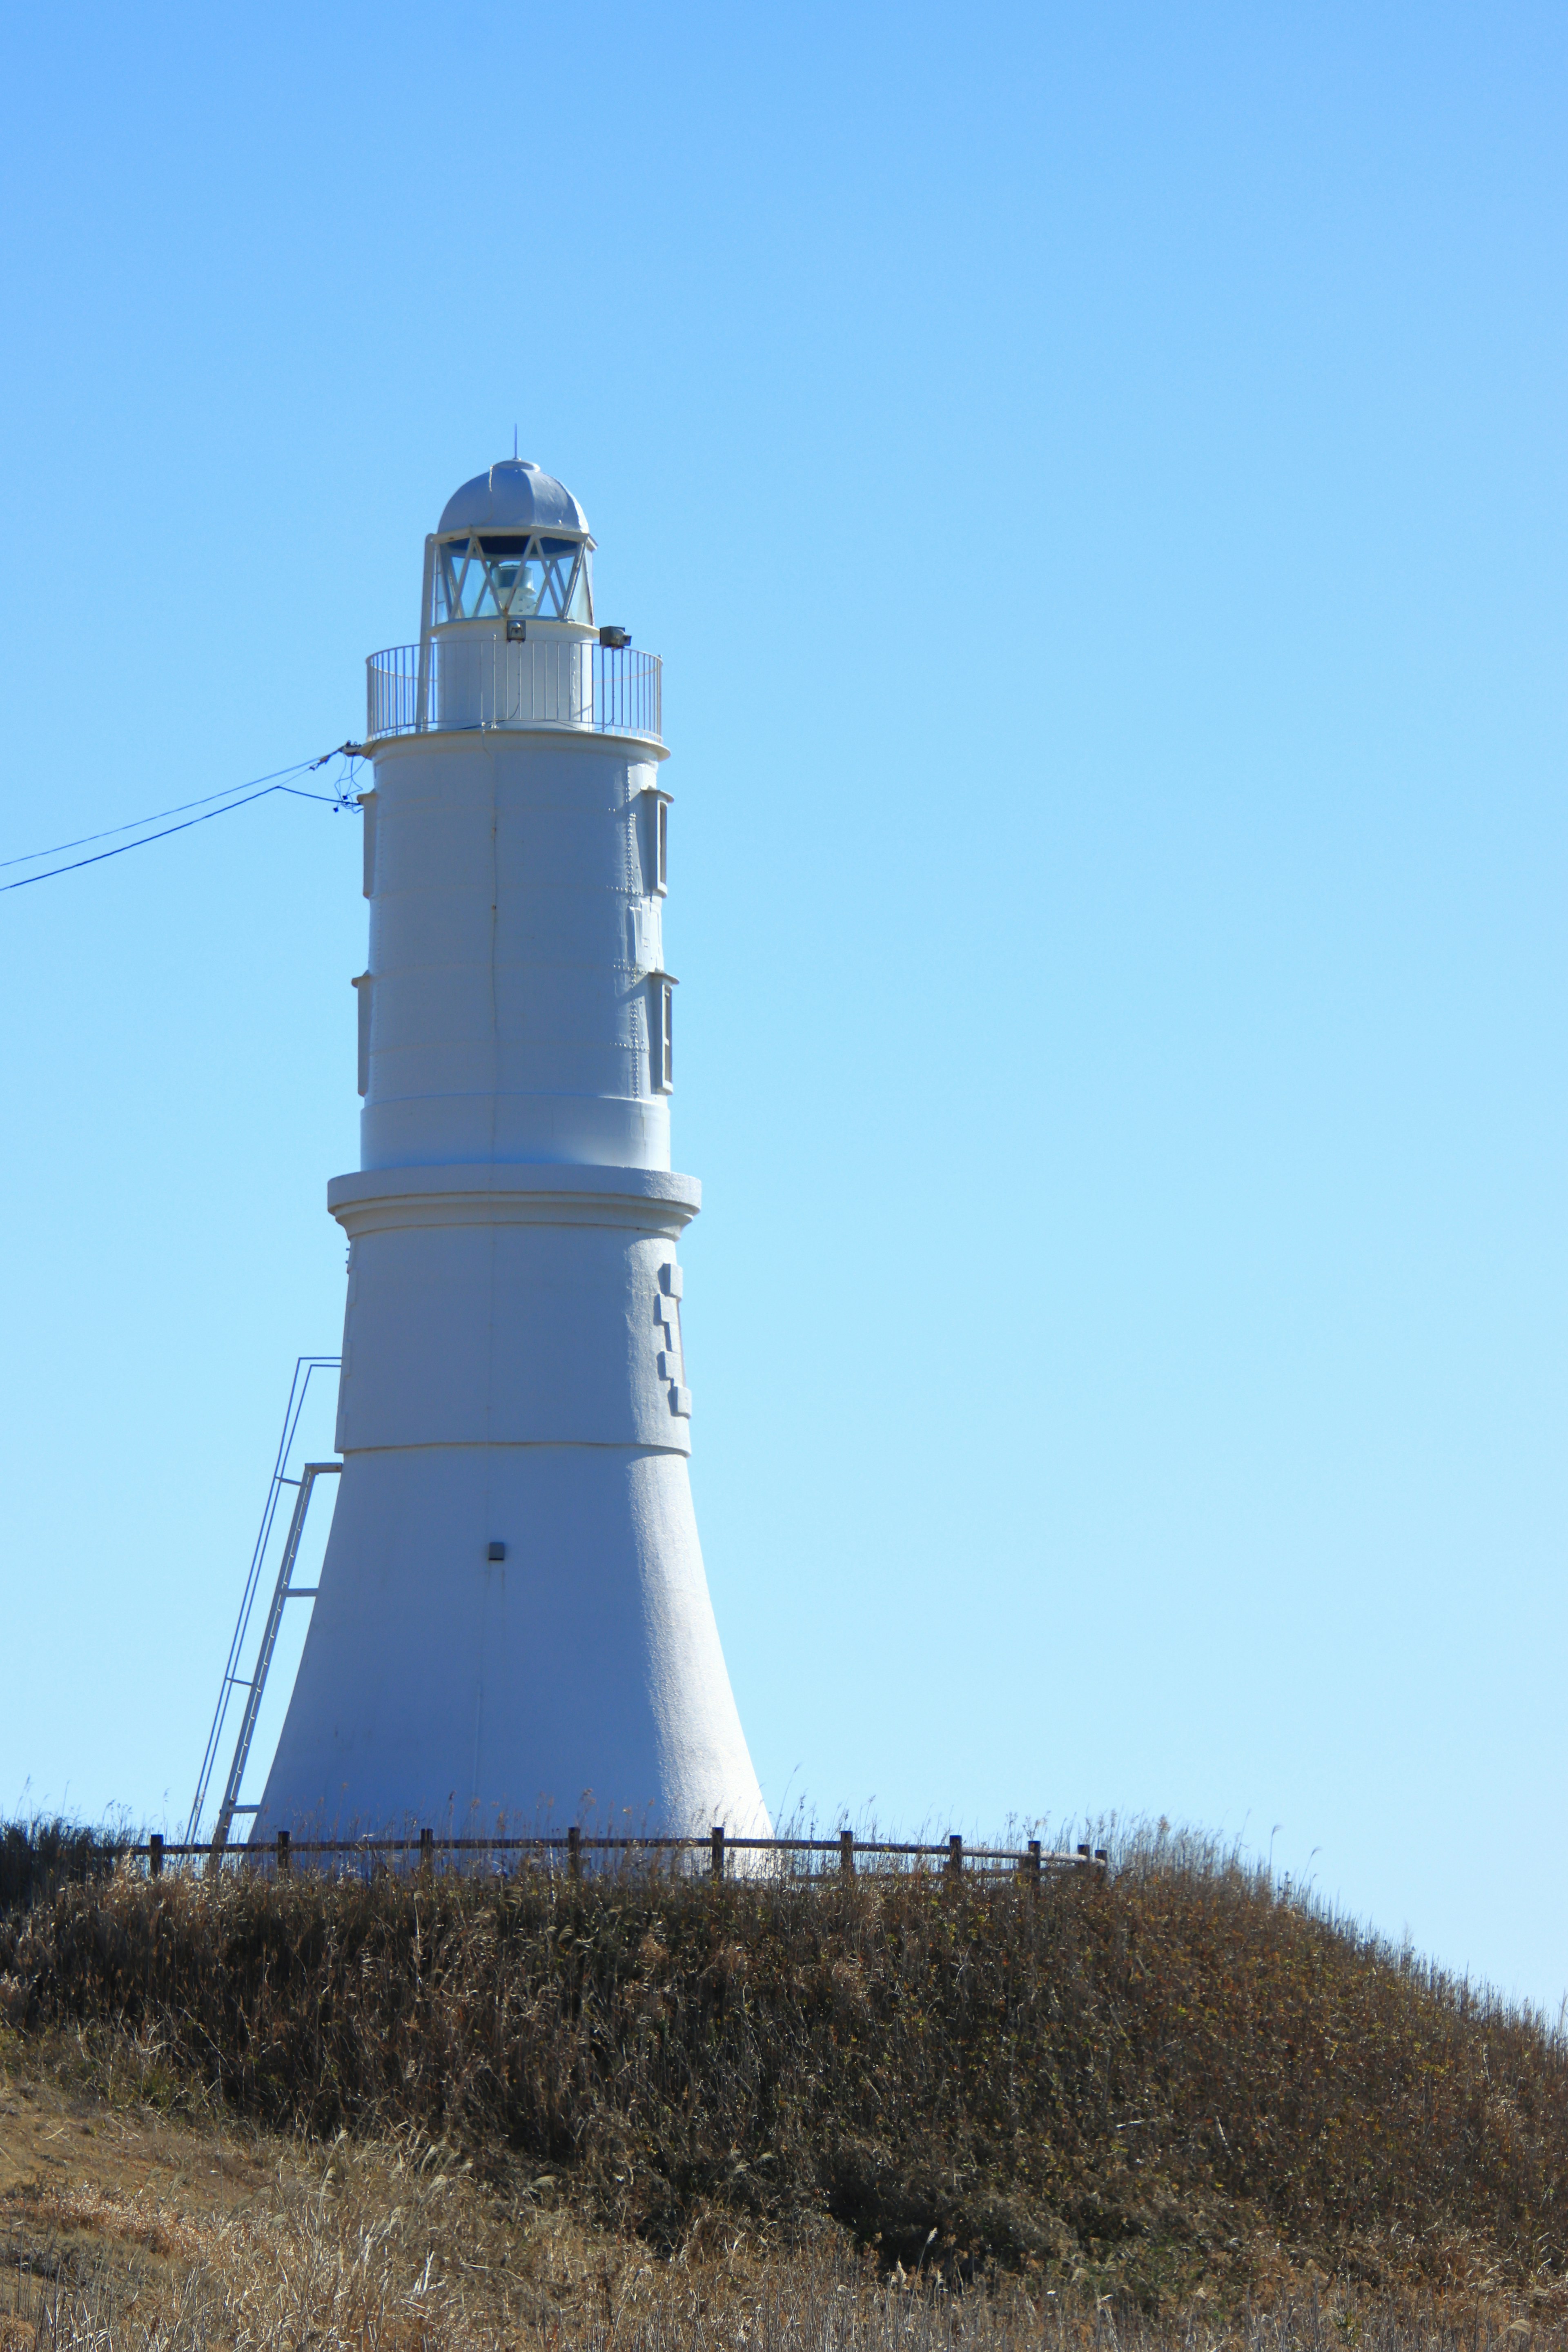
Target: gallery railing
480,680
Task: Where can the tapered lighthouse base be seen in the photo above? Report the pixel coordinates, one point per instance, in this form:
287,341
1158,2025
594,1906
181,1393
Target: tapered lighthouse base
512,1621
579,1680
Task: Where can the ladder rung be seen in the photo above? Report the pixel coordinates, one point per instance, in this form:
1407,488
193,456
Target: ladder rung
301,1593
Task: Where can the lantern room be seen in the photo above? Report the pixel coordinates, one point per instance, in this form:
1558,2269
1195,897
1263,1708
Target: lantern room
512,545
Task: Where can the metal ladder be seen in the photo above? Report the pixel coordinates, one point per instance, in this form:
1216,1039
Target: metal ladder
283,1591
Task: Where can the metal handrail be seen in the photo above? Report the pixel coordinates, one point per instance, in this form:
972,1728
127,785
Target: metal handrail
465,683
305,1366
284,1589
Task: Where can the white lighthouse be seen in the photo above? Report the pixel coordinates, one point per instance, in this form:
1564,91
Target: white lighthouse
513,1618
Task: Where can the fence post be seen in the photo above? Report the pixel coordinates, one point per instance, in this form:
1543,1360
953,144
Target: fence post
1102,1862
1083,1854
847,1852
427,1850
282,1850
1033,1864
717,1864
955,1857
156,1855
575,1852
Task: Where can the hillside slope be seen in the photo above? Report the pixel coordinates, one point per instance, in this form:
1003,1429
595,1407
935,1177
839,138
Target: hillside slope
1173,2081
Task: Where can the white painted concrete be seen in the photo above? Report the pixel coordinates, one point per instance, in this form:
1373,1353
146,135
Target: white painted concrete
510,914
513,1367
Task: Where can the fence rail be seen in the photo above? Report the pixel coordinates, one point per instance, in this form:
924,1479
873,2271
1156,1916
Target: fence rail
1031,1862
472,681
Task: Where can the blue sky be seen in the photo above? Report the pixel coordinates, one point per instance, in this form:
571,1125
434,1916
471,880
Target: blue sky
1096,480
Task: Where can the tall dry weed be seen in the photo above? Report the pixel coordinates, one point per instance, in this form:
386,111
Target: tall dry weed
1146,2082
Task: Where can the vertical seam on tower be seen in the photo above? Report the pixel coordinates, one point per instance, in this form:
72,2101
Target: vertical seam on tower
495,1101
495,899
490,1286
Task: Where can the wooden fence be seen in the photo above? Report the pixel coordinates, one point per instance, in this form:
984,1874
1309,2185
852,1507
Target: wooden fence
1030,1861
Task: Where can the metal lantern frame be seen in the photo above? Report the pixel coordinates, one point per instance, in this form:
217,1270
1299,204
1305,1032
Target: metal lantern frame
497,574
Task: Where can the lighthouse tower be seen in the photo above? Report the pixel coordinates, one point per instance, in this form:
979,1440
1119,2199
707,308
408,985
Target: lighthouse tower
512,1619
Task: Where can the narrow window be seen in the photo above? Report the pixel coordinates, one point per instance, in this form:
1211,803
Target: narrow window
661,1031
362,990
653,841
367,803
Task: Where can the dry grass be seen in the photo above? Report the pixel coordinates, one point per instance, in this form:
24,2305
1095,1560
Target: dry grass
1176,2094
381,2245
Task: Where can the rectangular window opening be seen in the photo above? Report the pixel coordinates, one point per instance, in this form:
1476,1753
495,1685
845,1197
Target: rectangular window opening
367,803
362,990
653,841
661,1033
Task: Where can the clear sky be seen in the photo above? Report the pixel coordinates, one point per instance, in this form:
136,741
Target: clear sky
1096,478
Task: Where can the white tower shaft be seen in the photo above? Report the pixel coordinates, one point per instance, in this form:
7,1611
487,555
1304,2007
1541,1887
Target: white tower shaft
513,1618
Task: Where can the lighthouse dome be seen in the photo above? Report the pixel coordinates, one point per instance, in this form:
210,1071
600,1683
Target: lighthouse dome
512,495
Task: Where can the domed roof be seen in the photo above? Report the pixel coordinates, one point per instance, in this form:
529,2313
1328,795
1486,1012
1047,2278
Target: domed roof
513,495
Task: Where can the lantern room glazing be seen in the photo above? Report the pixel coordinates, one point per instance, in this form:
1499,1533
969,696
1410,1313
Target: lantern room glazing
512,575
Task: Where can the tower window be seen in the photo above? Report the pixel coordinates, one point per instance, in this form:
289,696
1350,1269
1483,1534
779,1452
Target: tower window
362,990
367,803
654,841
661,1031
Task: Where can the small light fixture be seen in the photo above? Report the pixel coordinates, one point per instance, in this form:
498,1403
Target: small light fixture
497,1551
516,632
617,638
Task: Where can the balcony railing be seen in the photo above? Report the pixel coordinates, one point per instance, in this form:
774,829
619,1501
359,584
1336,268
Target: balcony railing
474,681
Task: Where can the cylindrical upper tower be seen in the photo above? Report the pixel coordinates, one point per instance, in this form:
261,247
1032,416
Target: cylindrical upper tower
516,1007
513,1613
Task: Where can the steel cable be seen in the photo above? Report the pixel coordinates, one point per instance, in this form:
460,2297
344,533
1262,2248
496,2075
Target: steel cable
267,785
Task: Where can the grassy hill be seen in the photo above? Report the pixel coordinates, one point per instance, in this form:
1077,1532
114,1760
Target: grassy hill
1177,2087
